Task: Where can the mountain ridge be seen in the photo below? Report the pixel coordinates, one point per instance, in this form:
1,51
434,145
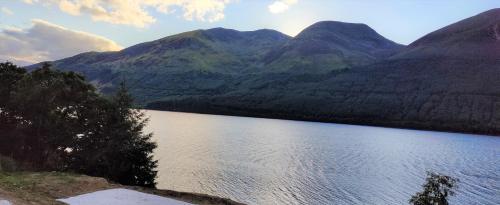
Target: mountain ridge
446,80
201,60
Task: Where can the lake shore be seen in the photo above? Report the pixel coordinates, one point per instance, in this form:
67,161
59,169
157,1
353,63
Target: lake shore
24,188
408,125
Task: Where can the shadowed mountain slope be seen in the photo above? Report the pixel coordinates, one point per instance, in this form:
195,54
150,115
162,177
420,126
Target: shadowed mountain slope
425,87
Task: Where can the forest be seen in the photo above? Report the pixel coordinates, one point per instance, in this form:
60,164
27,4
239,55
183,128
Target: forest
56,121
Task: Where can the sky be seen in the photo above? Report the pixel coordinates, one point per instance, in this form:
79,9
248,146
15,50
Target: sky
38,30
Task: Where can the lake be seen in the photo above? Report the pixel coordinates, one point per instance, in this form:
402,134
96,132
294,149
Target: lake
267,161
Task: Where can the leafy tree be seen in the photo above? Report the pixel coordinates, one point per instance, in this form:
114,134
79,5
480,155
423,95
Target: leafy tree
10,74
436,190
116,147
49,104
54,120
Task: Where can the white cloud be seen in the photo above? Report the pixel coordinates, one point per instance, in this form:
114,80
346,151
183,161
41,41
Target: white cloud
7,11
46,41
281,6
138,12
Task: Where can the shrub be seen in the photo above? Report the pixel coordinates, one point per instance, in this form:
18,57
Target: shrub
436,190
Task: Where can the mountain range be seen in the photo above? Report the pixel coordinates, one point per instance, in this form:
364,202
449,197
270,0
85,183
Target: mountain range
331,71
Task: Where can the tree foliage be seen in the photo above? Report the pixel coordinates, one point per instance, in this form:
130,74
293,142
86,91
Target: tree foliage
53,120
436,191
124,151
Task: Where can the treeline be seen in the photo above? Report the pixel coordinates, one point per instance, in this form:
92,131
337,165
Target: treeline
423,111
55,121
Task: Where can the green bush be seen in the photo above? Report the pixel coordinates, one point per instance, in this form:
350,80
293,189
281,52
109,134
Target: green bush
7,164
436,191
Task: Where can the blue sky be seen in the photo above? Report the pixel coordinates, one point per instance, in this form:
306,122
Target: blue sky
122,23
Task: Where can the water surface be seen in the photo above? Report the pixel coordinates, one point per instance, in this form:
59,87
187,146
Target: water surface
266,161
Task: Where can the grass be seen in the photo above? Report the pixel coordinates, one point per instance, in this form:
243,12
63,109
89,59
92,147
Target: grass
27,180
43,188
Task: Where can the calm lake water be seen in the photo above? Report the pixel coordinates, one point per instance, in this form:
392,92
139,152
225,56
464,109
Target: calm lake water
267,161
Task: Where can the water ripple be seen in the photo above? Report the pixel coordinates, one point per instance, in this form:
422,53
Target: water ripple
264,161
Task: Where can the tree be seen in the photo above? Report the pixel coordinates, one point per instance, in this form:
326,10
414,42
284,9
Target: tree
54,120
134,161
48,104
436,190
10,74
117,148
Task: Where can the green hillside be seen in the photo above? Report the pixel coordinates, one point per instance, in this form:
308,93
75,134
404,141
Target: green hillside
331,71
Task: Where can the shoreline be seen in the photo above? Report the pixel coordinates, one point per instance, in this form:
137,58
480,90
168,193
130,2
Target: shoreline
391,125
44,188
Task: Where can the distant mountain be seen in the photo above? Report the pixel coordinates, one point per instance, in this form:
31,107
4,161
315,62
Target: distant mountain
448,80
215,50
187,63
330,45
209,61
332,71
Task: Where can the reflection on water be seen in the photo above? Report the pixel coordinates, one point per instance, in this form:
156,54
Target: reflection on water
266,161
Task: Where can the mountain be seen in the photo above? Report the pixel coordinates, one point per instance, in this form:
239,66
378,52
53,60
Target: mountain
428,85
187,63
331,71
330,45
211,61
215,50
477,37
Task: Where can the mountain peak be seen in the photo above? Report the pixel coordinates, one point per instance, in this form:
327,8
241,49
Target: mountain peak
331,45
335,27
338,24
345,33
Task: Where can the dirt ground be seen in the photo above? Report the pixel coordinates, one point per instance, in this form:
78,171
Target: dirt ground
43,188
